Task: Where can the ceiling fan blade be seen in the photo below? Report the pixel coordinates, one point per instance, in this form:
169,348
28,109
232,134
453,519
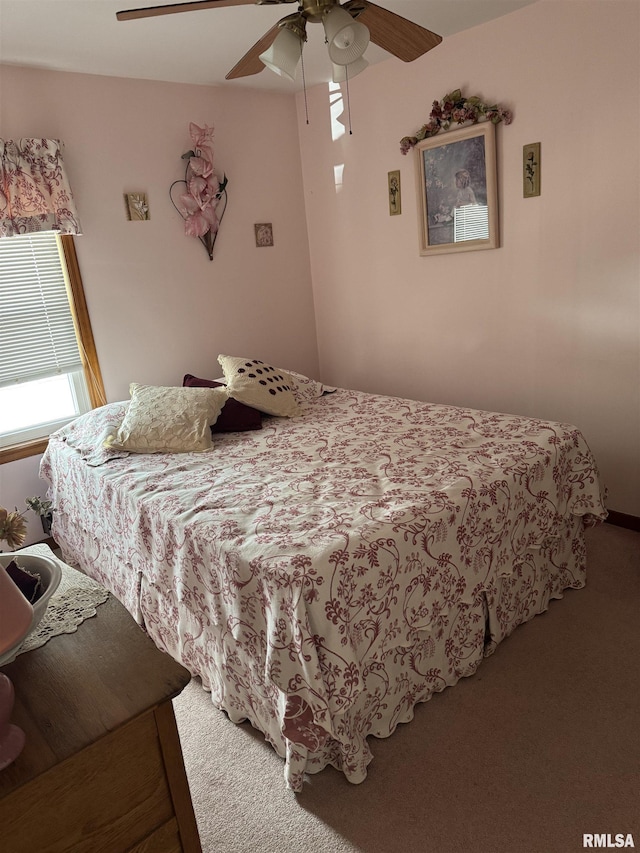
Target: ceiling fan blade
172,8
391,32
250,62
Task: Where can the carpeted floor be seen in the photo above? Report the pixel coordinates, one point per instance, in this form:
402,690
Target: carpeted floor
539,747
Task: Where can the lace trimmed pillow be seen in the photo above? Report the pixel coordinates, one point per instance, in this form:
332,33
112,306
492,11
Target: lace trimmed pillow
256,384
168,420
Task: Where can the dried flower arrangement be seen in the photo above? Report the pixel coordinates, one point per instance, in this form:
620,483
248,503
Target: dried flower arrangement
455,108
13,528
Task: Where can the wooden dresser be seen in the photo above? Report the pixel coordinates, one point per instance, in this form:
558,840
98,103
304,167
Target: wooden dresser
102,768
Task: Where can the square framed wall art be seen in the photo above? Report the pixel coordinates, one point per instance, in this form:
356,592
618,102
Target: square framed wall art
137,207
264,234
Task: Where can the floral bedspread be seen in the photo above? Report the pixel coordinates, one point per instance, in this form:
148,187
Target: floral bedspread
326,573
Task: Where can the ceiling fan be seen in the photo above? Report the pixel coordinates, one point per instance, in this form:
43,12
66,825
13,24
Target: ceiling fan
348,29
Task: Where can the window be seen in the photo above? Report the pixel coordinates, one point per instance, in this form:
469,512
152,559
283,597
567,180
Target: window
49,371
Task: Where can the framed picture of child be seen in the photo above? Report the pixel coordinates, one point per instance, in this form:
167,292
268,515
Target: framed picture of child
457,190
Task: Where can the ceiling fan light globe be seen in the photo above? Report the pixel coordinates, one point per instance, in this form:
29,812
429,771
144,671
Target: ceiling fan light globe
341,73
347,39
284,54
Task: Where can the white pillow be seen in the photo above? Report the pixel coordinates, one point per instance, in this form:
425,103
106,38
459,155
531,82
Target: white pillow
304,388
260,385
168,420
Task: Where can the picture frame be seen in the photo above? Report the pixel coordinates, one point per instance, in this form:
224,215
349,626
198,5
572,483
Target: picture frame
137,207
457,190
264,234
395,192
531,170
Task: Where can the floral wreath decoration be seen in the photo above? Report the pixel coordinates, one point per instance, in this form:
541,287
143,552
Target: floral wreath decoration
454,108
203,204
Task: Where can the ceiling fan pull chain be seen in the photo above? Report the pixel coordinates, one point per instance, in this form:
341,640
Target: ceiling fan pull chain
348,99
304,84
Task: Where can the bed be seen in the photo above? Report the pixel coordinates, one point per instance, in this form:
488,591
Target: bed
326,572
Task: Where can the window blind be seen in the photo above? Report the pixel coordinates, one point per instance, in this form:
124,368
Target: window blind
37,335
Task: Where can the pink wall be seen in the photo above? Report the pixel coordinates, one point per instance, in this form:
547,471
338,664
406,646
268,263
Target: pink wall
159,307
549,324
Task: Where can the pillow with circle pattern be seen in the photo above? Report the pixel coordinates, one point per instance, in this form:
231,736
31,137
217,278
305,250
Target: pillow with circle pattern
254,383
168,420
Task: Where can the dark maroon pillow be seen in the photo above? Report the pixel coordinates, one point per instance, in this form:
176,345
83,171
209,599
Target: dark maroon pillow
235,416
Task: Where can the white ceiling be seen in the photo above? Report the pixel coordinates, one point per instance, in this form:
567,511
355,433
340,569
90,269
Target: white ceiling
192,47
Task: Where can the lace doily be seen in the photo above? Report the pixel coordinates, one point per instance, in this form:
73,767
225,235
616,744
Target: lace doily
74,601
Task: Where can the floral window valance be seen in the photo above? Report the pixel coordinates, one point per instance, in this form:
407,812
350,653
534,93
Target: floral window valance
34,190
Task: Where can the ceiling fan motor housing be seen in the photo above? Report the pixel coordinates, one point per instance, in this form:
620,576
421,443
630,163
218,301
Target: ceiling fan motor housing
315,10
